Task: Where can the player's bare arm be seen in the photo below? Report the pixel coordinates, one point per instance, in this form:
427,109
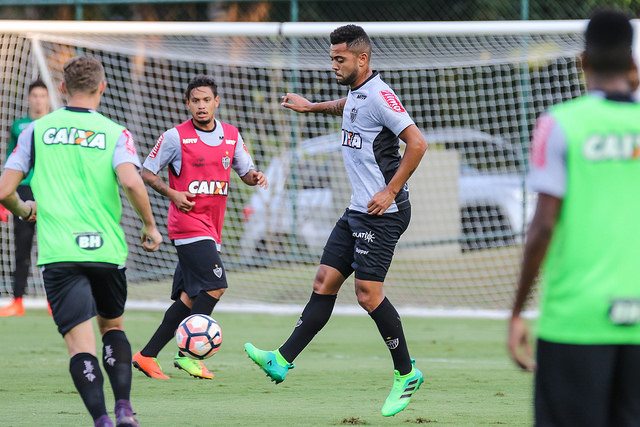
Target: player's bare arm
137,195
538,239
254,177
179,198
299,104
416,147
9,181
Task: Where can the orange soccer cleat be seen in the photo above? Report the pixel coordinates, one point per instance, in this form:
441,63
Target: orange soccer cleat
148,366
15,308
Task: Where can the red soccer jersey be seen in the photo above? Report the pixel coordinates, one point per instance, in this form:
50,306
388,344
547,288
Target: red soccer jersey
205,172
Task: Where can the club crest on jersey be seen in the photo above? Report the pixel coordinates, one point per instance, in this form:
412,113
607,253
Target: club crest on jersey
189,140
392,101
73,136
226,162
353,114
209,187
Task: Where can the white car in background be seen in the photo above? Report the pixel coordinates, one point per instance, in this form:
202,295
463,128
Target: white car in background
309,190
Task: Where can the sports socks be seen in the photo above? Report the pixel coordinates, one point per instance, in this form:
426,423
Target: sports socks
390,327
172,318
116,359
203,304
88,379
315,315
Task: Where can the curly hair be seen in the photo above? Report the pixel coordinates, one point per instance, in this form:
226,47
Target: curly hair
354,36
200,81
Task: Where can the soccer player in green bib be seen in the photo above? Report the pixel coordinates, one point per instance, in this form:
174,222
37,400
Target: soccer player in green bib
23,231
585,235
78,157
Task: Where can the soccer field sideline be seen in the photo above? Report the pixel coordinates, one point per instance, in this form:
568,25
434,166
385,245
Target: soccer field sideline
290,309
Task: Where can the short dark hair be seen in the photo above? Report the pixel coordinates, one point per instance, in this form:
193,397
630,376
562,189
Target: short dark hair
83,74
37,83
353,35
608,42
200,81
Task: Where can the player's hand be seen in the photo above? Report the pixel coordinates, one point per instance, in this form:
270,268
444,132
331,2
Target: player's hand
380,202
30,209
297,103
254,177
181,200
150,238
519,344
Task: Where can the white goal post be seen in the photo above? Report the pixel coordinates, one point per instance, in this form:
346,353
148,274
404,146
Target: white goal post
473,88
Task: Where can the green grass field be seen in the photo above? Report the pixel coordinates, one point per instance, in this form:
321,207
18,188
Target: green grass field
342,378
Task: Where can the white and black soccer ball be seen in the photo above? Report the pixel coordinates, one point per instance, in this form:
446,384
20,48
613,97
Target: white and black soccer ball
199,336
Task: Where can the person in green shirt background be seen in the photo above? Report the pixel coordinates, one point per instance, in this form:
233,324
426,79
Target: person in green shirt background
23,231
585,235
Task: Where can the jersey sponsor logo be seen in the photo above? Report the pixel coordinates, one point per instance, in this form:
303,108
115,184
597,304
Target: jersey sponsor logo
367,236
128,144
209,187
73,136
226,161
156,148
351,139
200,162
392,101
189,140
230,141
89,241
612,147
361,96
541,134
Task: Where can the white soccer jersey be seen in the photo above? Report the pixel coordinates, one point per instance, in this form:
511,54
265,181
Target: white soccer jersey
373,118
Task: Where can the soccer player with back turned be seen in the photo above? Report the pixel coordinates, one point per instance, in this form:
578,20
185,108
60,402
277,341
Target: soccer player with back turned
585,165
364,238
78,157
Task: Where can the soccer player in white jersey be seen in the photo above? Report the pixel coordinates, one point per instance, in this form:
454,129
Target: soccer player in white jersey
364,238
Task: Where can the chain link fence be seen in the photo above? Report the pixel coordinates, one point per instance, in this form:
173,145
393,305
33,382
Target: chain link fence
309,10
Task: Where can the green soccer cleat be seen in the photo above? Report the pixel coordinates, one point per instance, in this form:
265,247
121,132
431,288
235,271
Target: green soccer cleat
271,362
195,368
401,392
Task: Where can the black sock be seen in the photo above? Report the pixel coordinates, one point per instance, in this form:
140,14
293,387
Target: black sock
87,376
388,321
204,304
116,359
165,332
315,315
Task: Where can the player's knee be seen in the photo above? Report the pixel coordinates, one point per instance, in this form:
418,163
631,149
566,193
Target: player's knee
106,325
217,293
327,281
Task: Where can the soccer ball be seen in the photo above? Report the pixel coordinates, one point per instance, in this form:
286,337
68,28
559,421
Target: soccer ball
199,336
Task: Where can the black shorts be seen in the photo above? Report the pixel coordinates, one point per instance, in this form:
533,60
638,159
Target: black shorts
199,269
79,291
587,385
365,243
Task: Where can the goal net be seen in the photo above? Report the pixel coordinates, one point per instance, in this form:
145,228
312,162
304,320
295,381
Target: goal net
474,89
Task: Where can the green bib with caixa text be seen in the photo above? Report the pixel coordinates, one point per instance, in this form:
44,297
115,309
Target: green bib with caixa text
591,274
76,188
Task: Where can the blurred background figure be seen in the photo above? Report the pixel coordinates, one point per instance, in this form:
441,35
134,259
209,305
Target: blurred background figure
23,230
